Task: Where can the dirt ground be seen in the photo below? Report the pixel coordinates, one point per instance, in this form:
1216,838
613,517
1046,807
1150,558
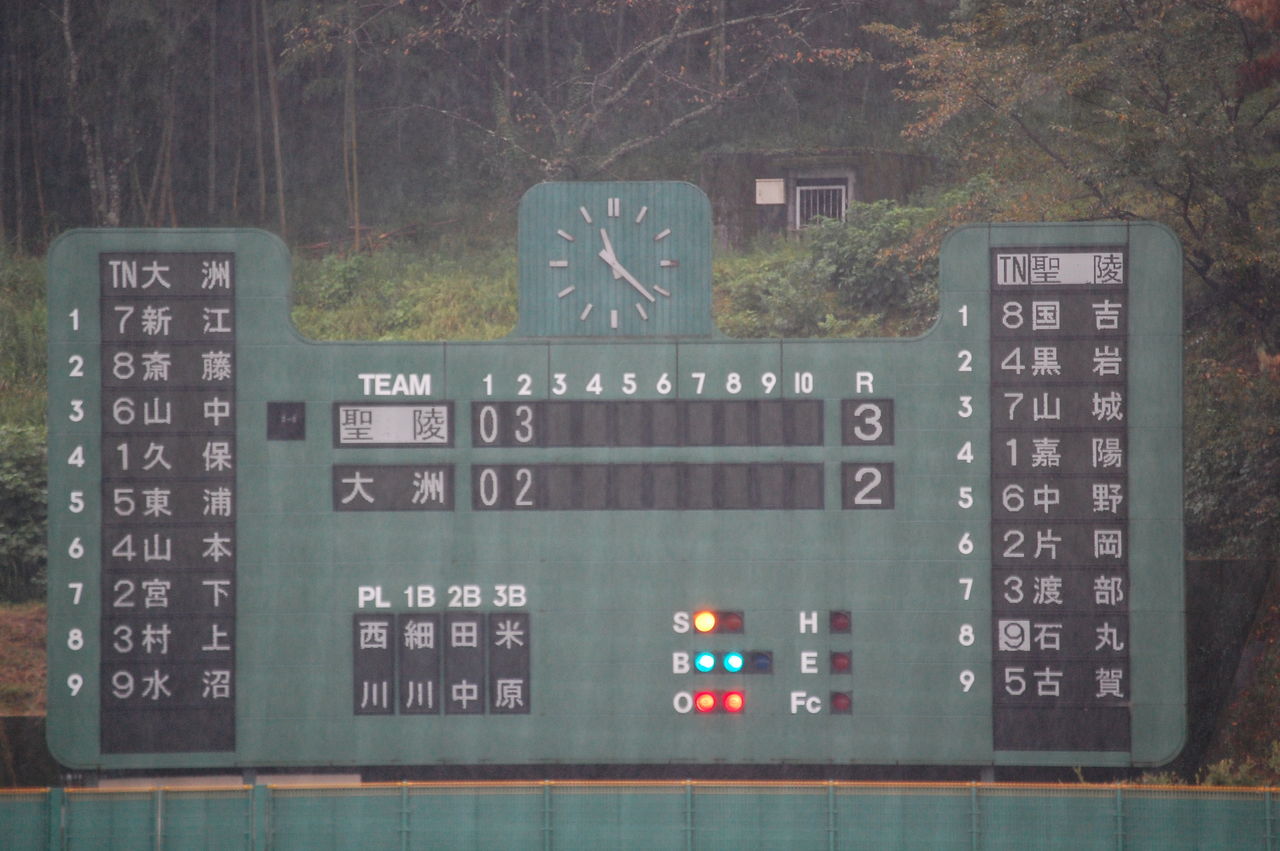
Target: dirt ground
22,658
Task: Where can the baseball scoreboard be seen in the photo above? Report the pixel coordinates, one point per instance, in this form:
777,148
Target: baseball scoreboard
616,536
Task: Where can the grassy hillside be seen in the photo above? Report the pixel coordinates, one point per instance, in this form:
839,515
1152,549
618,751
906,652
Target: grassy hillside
22,339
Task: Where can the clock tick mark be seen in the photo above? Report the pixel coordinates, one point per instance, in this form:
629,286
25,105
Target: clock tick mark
613,318
640,309
564,292
559,264
586,311
585,214
662,234
640,215
661,291
565,235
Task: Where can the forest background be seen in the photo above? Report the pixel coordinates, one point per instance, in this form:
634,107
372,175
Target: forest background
389,142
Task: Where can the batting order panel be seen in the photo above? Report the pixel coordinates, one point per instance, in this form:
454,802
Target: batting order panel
963,548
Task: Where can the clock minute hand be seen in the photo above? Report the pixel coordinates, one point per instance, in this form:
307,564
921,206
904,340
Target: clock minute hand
614,265
620,271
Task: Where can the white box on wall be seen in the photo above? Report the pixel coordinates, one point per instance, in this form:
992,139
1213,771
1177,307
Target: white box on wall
771,191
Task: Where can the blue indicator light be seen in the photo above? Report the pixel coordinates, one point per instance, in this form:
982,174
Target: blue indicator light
733,662
704,661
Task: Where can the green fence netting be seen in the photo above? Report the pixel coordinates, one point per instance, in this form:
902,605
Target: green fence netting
689,816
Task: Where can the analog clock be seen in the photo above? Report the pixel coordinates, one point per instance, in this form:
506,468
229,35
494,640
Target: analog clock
615,259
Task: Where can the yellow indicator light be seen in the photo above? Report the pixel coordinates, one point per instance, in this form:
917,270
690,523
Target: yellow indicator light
704,621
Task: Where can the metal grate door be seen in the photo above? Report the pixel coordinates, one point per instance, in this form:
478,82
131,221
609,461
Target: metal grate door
826,201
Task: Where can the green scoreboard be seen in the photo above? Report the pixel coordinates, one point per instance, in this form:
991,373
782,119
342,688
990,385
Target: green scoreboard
616,537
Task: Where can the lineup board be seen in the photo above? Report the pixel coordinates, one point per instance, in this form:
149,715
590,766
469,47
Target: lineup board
962,548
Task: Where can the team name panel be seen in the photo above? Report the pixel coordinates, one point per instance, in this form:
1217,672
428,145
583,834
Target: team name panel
601,547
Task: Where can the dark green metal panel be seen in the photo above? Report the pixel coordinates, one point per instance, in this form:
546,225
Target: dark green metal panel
588,493
26,814
942,818
647,816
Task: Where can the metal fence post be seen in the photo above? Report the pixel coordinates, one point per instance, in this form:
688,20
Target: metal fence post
260,830
1269,819
1119,801
974,833
404,816
57,804
546,815
157,807
688,815
831,815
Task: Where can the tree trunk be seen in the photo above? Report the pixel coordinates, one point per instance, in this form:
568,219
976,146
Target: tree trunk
97,172
6,84
211,204
167,203
350,158
153,205
260,156
273,95
115,194
719,48
19,173
546,46
37,163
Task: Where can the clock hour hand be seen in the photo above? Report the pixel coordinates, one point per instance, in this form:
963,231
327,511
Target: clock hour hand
619,271
608,256
614,266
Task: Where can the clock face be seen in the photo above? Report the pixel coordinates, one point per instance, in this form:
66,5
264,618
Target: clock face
615,259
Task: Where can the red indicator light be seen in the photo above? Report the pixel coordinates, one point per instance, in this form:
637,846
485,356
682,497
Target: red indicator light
709,620
730,622
840,622
734,701
841,703
841,663
704,701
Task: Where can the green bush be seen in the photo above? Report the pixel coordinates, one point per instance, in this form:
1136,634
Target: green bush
859,277
23,512
1261,770
761,294
406,294
865,259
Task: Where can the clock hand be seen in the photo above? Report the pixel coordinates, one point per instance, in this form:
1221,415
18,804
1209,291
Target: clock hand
607,255
613,263
619,271
633,282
